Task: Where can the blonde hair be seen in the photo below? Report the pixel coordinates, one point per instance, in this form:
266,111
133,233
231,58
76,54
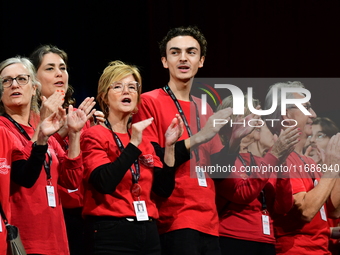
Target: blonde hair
115,71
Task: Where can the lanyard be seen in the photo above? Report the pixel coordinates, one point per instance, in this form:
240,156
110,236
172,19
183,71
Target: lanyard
185,122
16,124
47,166
135,174
3,215
252,163
304,163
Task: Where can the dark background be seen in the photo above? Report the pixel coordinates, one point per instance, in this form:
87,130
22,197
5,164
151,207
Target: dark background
253,38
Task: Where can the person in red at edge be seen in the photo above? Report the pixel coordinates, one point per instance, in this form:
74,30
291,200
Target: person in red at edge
188,222
323,129
51,64
40,220
304,229
247,201
8,143
11,145
121,169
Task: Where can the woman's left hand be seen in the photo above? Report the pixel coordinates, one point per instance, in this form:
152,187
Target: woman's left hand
75,120
87,107
174,131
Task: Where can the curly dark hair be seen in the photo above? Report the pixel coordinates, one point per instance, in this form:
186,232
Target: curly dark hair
192,31
327,126
36,58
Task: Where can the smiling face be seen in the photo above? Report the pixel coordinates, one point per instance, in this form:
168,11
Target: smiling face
52,74
17,95
122,102
182,58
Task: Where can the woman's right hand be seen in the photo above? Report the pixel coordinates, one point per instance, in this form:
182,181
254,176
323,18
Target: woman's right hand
50,125
137,131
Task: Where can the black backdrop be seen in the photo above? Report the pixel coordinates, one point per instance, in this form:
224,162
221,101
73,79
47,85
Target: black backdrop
246,38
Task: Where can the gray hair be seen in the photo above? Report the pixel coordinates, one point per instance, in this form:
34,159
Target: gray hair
276,127
32,72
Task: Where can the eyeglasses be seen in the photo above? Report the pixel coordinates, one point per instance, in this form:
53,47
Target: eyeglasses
21,79
307,106
118,87
318,136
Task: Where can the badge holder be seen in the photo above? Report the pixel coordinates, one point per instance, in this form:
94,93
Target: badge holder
265,223
202,181
139,205
50,194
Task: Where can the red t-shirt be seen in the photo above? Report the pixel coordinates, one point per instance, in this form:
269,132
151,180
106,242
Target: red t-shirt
71,198
293,235
8,143
240,203
99,148
190,205
42,228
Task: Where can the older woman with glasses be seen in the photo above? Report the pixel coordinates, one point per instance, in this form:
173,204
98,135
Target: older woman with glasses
322,130
248,200
122,169
35,203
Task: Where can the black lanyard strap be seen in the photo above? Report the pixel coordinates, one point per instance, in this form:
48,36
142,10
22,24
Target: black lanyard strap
18,126
264,204
135,174
47,165
253,163
305,164
3,215
185,121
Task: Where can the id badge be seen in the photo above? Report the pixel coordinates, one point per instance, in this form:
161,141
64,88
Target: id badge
140,210
265,224
323,213
50,196
202,181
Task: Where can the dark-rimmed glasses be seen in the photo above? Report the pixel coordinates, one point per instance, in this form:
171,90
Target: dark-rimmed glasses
21,79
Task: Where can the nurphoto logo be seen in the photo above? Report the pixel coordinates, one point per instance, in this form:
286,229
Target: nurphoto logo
238,105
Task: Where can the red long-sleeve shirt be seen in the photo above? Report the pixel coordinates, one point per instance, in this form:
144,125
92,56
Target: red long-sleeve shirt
240,203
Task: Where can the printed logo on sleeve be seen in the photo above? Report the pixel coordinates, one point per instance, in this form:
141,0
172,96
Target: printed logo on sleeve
147,160
4,167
